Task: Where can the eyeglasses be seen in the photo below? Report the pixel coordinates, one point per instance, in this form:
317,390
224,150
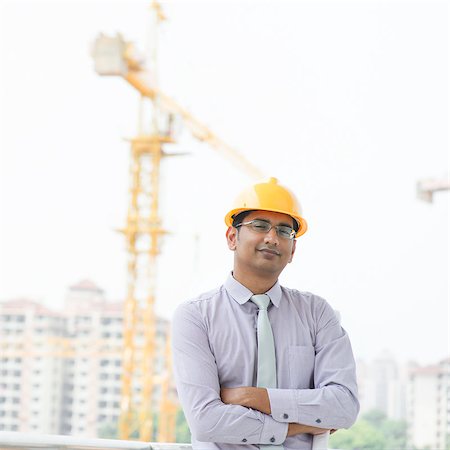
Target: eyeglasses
261,226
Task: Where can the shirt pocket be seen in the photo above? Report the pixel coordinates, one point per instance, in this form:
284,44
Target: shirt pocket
301,366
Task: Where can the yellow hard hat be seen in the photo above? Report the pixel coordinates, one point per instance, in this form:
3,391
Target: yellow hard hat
268,196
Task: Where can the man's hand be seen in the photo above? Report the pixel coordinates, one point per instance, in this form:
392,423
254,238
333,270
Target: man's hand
250,397
298,428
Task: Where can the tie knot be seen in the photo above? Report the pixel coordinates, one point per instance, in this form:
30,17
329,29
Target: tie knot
261,300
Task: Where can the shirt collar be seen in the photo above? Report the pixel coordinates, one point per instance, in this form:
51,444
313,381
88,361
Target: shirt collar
241,294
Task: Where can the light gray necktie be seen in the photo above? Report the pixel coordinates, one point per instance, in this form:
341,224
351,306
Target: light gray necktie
267,365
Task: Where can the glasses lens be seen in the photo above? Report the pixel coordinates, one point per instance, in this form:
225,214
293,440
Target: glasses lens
260,226
285,232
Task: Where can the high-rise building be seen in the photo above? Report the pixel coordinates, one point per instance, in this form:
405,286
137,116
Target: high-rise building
92,367
429,406
61,371
382,386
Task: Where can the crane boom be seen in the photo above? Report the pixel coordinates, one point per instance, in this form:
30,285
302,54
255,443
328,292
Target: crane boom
198,129
114,56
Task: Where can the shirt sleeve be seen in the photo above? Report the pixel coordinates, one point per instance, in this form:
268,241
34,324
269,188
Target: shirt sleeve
197,381
333,402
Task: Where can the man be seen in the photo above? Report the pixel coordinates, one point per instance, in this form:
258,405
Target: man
218,351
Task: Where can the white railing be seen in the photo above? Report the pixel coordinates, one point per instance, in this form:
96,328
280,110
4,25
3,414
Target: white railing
31,441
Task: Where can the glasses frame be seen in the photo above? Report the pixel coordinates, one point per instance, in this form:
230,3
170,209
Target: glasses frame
277,228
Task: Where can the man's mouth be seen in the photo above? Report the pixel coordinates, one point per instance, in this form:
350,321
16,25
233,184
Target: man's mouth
270,251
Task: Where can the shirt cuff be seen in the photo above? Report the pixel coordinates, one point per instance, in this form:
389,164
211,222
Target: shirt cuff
273,432
283,405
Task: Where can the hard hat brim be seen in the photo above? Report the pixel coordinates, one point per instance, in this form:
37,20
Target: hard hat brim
302,224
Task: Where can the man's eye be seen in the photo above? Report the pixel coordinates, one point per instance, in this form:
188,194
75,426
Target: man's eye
285,231
260,225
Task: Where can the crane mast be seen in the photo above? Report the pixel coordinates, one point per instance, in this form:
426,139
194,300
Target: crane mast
143,233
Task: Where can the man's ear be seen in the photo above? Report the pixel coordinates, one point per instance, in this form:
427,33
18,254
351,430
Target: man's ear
294,244
231,235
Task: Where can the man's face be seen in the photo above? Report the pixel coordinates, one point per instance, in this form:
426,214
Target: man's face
261,253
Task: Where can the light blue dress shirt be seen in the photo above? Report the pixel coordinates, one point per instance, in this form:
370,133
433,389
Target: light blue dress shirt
214,345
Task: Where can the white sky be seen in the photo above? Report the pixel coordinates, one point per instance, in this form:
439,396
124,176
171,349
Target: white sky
345,102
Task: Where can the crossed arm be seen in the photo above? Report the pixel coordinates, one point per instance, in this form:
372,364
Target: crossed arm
258,398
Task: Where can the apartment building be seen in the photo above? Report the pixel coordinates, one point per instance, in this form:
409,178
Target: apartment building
30,369
61,371
429,406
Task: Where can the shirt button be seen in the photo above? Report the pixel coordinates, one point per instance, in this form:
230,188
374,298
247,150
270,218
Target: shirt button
285,416
272,439
318,421
244,440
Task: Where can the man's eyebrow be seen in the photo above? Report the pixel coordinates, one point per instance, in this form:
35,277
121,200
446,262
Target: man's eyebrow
284,224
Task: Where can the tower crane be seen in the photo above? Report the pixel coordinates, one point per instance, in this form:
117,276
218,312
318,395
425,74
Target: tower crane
113,56
427,187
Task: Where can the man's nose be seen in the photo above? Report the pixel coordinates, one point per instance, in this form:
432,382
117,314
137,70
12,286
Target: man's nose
271,236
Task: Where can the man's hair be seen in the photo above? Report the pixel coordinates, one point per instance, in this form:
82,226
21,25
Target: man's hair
239,218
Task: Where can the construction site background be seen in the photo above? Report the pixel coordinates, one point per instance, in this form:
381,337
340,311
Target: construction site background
340,118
